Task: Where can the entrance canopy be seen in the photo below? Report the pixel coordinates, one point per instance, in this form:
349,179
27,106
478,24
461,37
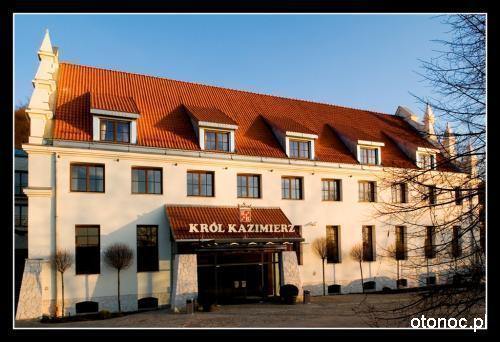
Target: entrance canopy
195,223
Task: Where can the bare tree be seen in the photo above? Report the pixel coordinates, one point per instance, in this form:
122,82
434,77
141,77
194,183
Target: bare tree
118,256
444,206
62,260
356,254
319,246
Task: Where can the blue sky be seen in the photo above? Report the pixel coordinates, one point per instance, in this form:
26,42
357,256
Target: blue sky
360,61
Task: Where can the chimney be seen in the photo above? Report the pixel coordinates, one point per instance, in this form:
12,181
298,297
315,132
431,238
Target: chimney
429,123
449,141
42,103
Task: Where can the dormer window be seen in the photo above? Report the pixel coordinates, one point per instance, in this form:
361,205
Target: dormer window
300,149
368,155
117,131
426,160
217,140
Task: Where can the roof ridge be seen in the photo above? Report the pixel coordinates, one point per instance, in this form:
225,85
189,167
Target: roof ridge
232,89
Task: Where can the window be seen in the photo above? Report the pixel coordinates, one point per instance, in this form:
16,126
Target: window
200,183
217,141
332,244
431,194
368,155
21,181
300,149
368,245
456,243
291,188
88,254
426,161
147,248
87,178
331,189
248,186
429,246
146,180
21,215
400,193
458,196
367,191
401,243
115,131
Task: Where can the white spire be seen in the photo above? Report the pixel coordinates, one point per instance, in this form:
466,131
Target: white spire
429,122
46,43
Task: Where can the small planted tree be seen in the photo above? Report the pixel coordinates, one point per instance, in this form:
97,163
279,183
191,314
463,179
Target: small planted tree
118,256
319,246
61,261
357,255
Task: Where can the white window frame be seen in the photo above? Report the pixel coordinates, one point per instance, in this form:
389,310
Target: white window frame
420,154
96,125
201,137
379,153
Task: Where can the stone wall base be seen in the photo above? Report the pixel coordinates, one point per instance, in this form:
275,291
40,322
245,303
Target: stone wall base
185,281
290,273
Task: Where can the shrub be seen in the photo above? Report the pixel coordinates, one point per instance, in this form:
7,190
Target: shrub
105,314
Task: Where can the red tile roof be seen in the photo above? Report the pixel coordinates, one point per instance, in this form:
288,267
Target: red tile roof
209,115
112,102
165,123
180,217
286,124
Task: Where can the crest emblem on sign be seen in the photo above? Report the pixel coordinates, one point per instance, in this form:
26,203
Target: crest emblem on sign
245,214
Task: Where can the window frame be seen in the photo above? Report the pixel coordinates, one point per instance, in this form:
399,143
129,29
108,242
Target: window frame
156,252
146,169
432,194
420,163
338,192
247,175
456,241
299,149
334,255
199,173
20,186
430,242
18,218
369,148
459,199
401,247
373,195
115,130
400,192
87,177
372,246
98,247
217,132
289,179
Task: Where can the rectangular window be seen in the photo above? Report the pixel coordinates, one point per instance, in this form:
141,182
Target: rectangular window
115,130
147,180
300,149
458,196
88,253
430,248
368,155
331,189
333,244
367,191
368,243
147,248
21,181
426,161
200,183
401,243
87,177
21,215
291,188
248,186
400,193
431,194
217,141
456,243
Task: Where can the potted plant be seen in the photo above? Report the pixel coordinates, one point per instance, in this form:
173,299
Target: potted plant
289,293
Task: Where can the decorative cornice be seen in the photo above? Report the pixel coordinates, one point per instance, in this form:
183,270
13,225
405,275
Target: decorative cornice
38,191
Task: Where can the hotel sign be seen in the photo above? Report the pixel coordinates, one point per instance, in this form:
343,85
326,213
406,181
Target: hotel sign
245,214
241,228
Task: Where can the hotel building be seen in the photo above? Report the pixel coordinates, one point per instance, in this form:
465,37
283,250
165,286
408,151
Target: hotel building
217,191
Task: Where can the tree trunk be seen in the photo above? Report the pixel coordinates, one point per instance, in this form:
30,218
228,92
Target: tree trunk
62,289
397,282
119,304
323,264
334,275
362,281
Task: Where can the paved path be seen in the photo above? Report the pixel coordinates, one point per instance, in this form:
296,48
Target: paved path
329,311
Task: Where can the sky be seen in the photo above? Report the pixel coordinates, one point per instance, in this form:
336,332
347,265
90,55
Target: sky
361,61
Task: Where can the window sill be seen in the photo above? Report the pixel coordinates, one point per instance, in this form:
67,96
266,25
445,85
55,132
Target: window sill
249,197
292,199
200,196
145,193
